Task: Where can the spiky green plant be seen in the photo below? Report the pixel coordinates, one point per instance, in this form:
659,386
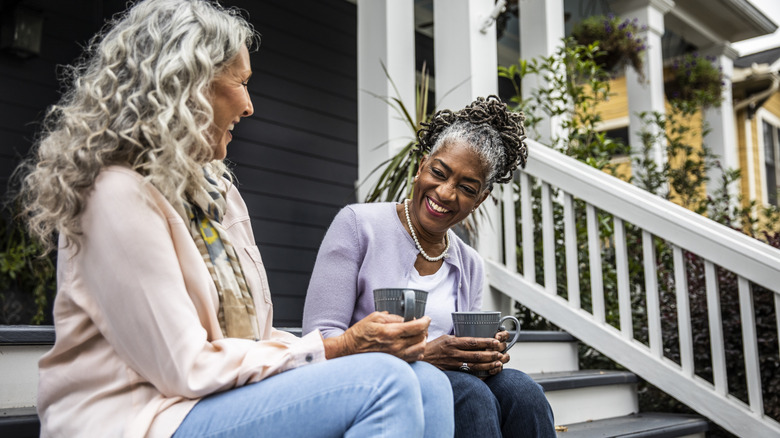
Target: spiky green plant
395,181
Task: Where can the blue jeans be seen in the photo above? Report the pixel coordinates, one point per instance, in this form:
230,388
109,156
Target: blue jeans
509,404
364,395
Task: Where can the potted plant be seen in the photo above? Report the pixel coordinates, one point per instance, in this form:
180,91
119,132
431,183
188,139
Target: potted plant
694,80
395,181
619,41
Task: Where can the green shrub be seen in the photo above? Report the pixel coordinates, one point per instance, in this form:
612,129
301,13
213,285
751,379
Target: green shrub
27,280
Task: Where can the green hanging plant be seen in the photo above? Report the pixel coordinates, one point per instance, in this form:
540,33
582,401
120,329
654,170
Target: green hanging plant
619,41
695,81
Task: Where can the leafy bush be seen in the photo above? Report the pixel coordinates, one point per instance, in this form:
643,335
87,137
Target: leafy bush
27,280
575,69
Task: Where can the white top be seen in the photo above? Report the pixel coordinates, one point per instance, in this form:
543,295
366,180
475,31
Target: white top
442,294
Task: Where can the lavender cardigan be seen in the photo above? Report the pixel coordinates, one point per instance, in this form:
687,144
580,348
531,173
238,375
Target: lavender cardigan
365,248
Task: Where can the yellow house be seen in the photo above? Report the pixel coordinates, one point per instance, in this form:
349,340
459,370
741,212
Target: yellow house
757,113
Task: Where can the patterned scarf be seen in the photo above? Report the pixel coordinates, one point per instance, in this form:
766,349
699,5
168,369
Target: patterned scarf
237,317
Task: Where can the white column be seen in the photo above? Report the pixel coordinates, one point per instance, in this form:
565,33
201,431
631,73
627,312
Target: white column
385,36
722,138
541,34
465,59
466,63
646,96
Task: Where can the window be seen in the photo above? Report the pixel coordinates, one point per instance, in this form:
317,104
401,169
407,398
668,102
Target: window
620,136
771,144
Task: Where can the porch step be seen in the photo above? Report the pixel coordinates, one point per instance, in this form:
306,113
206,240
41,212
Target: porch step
644,425
20,349
544,352
19,423
589,395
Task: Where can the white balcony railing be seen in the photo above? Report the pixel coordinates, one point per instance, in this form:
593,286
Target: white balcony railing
566,183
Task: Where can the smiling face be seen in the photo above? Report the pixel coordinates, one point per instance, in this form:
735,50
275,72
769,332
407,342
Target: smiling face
230,101
450,185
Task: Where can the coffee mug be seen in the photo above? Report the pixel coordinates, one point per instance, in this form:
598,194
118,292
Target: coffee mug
483,325
409,303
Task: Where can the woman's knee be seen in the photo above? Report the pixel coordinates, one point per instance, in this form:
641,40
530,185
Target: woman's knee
433,382
466,387
516,384
381,367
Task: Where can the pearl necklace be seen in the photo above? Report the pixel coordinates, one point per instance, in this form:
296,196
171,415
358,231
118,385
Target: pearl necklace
417,242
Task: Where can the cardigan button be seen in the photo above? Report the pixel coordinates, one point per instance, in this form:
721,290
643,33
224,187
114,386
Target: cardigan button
309,357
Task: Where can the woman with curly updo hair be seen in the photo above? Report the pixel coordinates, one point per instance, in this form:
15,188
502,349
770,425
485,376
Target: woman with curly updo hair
163,313
411,245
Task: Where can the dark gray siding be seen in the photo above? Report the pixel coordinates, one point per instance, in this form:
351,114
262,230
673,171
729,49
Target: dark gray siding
295,159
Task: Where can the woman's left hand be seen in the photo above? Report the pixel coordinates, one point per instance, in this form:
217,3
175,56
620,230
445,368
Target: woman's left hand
503,337
449,352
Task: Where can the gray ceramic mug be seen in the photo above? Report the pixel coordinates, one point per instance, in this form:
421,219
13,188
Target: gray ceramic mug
409,303
483,325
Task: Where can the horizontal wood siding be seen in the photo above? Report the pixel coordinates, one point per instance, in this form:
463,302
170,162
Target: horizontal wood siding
616,106
29,86
295,158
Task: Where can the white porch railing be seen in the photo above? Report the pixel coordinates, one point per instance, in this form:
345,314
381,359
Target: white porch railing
685,232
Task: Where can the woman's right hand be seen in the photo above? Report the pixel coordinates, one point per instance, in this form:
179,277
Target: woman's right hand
449,352
382,332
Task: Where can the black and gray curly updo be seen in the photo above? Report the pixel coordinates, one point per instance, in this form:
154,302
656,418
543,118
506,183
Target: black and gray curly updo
494,132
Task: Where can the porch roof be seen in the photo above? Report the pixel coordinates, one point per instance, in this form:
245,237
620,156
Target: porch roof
704,22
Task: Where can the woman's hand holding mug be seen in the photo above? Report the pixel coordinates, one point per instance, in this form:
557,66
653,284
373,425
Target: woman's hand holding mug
382,332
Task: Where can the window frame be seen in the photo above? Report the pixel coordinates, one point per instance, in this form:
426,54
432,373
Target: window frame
766,118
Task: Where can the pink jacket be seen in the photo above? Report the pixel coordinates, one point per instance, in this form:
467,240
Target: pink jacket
138,341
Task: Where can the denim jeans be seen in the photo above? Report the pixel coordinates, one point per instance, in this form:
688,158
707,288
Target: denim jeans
364,395
509,404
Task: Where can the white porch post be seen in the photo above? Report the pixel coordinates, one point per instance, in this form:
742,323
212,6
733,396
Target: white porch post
722,138
385,35
466,62
647,96
541,34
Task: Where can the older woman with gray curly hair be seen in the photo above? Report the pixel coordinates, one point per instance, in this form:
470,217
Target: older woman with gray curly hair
411,245
162,315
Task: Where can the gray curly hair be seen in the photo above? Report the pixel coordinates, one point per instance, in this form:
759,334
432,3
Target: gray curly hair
488,128
138,97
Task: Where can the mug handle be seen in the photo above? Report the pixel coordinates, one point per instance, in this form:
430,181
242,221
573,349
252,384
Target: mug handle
517,330
409,298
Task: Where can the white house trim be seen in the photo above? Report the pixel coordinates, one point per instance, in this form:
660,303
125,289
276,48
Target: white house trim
761,116
648,95
541,34
722,138
751,167
385,36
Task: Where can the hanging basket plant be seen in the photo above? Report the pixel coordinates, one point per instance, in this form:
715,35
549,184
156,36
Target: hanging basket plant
619,41
695,81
